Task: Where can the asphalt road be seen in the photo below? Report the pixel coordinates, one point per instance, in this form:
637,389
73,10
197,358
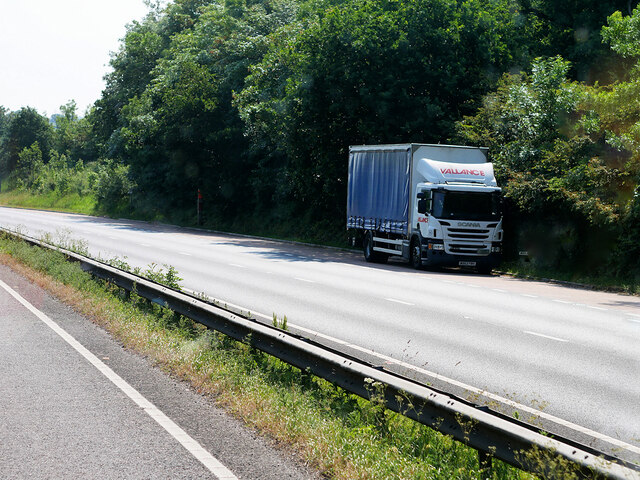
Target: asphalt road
571,355
92,409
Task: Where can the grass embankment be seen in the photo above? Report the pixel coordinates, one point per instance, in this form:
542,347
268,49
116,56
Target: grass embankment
341,435
70,202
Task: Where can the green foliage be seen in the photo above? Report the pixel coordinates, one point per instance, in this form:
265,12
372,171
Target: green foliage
24,128
565,184
28,167
367,72
112,186
572,29
73,136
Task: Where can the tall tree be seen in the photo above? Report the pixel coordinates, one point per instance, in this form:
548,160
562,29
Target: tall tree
571,29
183,132
371,72
26,128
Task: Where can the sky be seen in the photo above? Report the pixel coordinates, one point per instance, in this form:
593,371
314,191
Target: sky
53,51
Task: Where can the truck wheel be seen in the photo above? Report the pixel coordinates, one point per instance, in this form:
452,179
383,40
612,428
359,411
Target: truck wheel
367,248
369,254
415,254
484,270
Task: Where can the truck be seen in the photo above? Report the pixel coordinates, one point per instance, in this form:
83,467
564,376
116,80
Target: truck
431,205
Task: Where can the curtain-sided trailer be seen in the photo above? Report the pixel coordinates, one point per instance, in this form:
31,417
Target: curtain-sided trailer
433,205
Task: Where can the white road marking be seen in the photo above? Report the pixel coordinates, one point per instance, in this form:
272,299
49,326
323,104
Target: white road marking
633,314
530,296
185,254
562,301
304,280
209,461
545,336
634,321
399,301
144,244
597,308
499,290
236,265
113,238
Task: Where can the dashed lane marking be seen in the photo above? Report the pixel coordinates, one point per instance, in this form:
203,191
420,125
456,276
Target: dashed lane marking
399,301
545,336
304,280
192,446
597,308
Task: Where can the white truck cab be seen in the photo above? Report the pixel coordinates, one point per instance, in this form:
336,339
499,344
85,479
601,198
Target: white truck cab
433,205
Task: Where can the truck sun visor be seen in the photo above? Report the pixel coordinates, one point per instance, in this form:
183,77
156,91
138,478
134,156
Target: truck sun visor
433,171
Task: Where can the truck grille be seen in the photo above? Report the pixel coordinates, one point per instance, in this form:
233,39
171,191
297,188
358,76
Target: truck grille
467,241
468,233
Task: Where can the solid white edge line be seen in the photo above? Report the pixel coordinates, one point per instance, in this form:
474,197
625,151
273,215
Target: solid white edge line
192,446
544,336
473,390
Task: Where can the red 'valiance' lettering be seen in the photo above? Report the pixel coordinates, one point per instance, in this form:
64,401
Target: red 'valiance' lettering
451,171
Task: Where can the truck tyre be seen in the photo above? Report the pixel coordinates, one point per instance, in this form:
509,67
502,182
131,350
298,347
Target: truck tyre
415,257
367,248
369,254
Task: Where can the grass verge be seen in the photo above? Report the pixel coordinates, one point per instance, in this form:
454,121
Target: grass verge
341,435
597,282
71,202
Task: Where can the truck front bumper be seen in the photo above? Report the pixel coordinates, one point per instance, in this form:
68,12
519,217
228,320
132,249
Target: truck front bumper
439,258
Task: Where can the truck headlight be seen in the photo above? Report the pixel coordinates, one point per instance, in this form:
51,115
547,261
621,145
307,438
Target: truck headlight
436,246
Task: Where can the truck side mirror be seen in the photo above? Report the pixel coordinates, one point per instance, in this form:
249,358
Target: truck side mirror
422,206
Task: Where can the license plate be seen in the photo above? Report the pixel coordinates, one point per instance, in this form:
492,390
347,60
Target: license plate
467,264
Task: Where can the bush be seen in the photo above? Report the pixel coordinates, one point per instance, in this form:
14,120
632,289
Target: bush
112,186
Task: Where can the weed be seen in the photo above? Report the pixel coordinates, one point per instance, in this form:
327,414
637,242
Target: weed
280,323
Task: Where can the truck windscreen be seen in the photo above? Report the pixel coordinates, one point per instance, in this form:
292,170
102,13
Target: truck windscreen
452,205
